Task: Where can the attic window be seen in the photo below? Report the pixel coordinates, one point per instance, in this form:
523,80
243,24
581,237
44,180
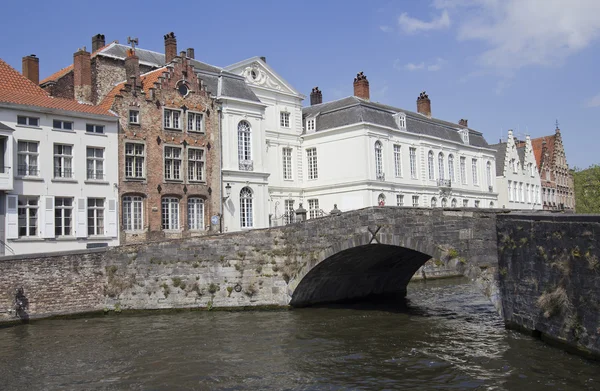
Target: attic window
400,120
464,134
310,125
183,89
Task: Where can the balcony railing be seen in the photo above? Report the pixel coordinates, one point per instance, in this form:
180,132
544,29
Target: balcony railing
444,183
25,170
246,165
63,173
380,176
95,174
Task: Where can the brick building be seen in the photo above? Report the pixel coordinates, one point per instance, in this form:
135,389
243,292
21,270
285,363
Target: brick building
558,191
169,151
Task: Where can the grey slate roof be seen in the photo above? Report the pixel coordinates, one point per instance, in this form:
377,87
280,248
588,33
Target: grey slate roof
353,110
4,127
232,85
500,157
521,152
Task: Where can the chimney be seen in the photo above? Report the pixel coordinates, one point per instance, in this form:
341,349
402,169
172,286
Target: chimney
361,86
98,42
31,68
132,68
82,76
316,97
264,59
463,122
424,104
190,53
170,47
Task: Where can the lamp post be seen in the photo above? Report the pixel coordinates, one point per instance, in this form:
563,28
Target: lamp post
300,213
227,192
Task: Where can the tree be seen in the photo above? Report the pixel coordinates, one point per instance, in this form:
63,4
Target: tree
587,189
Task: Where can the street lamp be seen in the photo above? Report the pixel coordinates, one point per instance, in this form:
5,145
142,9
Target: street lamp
227,191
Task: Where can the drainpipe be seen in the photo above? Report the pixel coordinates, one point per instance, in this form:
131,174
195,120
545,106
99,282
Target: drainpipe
220,118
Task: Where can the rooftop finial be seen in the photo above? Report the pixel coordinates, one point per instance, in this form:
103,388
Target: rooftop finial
133,42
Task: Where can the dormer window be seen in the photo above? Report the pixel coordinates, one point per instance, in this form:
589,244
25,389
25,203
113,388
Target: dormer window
400,120
310,125
464,135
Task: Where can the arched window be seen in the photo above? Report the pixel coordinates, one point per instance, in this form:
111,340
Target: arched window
133,213
454,203
433,202
444,202
441,165
451,167
381,199
195,213
378,160
246,208
244,146
488,168
430,165
170,213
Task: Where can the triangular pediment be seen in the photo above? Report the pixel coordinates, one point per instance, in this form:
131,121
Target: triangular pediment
257,73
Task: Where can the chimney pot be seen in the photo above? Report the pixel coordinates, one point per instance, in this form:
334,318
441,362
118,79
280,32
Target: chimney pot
361,86
424,104
98,42
31,68
464,122
316,96
190,53
170,47
82,76
132,68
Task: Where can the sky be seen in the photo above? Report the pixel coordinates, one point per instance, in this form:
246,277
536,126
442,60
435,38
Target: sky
501,64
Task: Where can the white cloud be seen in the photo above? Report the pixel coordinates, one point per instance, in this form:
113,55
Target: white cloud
439,62
519,33
412,25
414,67
432,67
386,29
593,102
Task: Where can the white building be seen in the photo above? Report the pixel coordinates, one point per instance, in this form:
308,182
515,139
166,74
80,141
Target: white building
61,190
517,176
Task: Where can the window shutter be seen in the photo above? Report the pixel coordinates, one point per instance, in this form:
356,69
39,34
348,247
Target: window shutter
81,218
12,217
112,218
48,216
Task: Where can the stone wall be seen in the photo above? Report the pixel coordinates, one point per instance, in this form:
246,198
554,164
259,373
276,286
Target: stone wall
549,274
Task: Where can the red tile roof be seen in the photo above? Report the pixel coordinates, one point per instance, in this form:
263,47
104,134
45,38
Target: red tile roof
538,145
16,88
147,80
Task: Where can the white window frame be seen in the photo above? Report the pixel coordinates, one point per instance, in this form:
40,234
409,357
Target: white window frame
413,162
63,216
173,162
451,167
133,213
399,199
310,125
59,124
172,119
94,128
284,119
95,163
196,216
286,154
379,174
95,216
246,208
510,194
433,202
312,163
134,116
398,160
169,213
290,213
463,170
196,165
24,120
430,166
135,160
488,167
441,165
195,122
465,203
244,143
313,208
28,210
26,167
415,201
63,160
475,172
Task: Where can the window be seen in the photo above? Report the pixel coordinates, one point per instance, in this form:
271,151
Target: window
246,213
477,203
378,161
244,146
510,194
284,119
444,202
134,117
514,197
415,201
195,122
63,216
63,157
27,156
521,195
313,209
311,155
28,121
530,169
289,213
430,165
451,167
172,119
28,215
413,162
513,164
91,128
397,161
465,203
310,125
433,202
463,170
195,164
453,203
399,199
95,209
195,213
464,135
441,165
173,163
133,215
287,163
491,204
134,160
170,213
95,163
474,170
62,125
400,120
488,171
528,193
381,199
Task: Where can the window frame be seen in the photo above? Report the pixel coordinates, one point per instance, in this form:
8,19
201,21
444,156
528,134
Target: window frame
430,166
169,215
398,160
415,201
134,157
63,158
312,163
200,173
96,129
286,156
28,156
97,215
412,151
60,215
130,205
62,123
379,173
136,120
168,115
172,170
97,175
284,119
313,208
246,208
194,121
244,133
463,170
28,121
475,171
196,216
28,217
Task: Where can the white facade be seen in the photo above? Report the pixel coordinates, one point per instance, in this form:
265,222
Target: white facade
518,179
64,169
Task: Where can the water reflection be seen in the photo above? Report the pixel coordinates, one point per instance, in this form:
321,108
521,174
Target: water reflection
449,336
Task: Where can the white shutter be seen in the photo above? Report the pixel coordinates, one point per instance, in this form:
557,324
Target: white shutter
111,216
48,216
81,218
12,217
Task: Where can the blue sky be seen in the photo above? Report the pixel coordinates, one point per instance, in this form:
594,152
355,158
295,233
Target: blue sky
502,64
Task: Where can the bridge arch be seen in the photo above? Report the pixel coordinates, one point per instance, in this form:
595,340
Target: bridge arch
367,265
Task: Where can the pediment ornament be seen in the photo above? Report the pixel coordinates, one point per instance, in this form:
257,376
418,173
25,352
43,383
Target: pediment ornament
255,75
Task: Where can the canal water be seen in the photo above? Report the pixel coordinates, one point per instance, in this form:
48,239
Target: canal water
449,337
